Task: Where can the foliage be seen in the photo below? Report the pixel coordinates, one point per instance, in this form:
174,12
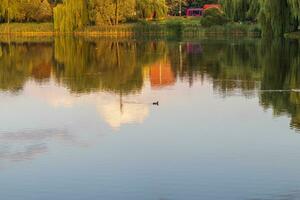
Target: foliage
174,5
111,12
36,10
213,16
241,10
21,11
275,17
70,16
151,9
295,8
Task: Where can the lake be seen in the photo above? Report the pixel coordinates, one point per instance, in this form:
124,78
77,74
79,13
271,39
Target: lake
78,122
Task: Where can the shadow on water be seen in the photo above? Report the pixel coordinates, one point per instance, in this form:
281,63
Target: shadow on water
248,67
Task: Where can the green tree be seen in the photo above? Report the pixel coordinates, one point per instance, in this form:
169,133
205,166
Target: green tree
35,10
111,12
71,15
241,10
21,11
276,17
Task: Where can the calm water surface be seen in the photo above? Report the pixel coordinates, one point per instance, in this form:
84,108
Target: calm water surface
77,120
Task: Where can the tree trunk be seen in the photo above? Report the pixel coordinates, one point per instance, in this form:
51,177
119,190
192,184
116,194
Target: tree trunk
8,21
117,12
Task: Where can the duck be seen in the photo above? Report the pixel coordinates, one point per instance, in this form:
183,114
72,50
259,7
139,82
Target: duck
156,103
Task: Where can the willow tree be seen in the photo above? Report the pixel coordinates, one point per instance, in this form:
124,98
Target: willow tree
151,9
253,9
71,15
241,10
276,17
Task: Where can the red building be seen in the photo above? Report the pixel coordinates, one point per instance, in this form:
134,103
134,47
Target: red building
194,12
198,12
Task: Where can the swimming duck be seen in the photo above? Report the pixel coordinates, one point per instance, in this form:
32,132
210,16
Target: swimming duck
156,103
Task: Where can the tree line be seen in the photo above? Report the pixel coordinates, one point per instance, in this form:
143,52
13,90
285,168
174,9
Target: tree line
275,17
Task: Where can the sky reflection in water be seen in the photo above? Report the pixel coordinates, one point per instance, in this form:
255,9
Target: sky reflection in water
77,120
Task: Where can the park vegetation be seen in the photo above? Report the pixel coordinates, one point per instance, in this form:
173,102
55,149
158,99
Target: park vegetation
274,17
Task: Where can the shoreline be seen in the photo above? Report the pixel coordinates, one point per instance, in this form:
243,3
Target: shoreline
131,30
136,30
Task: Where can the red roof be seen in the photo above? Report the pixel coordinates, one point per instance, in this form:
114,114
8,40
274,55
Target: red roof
208,6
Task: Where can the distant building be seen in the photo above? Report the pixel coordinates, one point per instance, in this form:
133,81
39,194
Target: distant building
198,12
194,12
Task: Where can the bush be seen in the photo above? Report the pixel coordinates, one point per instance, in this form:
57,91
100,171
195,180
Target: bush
213,16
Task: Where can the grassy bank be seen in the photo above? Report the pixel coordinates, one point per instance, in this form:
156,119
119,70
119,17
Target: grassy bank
171,26
184,27
294,35
26,29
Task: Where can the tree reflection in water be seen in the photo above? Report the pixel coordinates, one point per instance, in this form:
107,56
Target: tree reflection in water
248,67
